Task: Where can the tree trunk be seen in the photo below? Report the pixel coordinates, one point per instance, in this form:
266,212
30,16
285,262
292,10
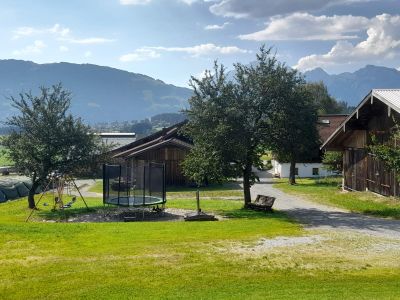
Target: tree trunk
292,173
247,185
31,195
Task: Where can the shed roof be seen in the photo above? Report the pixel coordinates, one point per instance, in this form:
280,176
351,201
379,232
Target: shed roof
166,136
390,97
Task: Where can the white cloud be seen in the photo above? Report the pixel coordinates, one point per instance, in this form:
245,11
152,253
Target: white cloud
303,26
203,49
268,8
216,26
140,54
87,41
56,30
60,33
134,2
35,48
146,53
63,49
93,104
382,43
88,54
145,2
188,2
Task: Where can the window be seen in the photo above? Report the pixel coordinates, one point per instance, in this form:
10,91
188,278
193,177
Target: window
315,171
296,171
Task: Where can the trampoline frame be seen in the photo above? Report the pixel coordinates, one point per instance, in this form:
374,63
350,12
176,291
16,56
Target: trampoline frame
130,185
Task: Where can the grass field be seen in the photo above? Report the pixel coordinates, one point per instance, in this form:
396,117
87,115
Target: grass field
326,191
227,190
178,260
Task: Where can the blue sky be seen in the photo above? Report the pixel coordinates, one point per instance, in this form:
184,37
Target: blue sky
174,39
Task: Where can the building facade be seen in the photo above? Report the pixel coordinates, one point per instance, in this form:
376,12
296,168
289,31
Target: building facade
376,115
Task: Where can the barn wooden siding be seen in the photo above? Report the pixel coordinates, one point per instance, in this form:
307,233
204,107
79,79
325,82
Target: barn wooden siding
363,171
172,157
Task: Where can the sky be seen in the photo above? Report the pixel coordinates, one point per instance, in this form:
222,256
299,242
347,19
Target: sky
173,40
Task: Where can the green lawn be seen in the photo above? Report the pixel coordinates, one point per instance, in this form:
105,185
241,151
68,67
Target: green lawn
326,191
97,187
176,260
214,191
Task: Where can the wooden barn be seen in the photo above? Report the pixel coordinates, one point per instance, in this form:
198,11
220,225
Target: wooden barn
375,115
165,146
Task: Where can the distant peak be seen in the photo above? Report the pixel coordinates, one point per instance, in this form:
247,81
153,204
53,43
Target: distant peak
317,71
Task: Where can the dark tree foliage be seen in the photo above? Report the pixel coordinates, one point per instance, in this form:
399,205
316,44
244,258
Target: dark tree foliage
230,121
47,138
323,101
333,161
294,135
388,151
168,118
142,128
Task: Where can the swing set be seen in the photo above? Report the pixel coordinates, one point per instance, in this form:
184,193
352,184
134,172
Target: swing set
58,185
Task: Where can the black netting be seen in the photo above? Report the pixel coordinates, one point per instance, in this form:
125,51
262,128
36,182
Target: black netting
139,185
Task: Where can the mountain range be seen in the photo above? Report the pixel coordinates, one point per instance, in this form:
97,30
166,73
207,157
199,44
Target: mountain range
99,94
353,87
104,94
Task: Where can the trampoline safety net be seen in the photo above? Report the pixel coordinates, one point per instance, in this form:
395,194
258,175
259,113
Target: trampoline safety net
142,185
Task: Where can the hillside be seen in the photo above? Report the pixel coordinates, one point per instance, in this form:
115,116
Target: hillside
352,87
99,93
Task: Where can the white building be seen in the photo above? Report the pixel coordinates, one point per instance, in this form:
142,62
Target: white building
117,139
282,170
327,124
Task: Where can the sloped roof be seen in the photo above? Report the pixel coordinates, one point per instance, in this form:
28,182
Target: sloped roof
390,97
327,124
166,136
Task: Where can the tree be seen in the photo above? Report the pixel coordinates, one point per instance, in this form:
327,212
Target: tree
294,135
388,151
46,138
333,161
142,128
323,101
229,121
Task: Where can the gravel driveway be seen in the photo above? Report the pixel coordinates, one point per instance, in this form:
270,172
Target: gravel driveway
319,216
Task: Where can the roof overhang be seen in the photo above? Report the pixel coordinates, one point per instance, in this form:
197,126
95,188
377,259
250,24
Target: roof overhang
390,97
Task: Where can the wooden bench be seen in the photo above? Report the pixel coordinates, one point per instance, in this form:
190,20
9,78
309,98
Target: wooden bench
262,202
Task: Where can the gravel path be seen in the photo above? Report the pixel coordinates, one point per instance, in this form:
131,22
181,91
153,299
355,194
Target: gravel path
84,186
319,216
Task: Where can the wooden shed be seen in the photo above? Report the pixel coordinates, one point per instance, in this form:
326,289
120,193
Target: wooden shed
166,146
376,115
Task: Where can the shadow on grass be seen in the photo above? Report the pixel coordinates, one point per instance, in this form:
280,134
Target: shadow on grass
232,185
243,213
60,214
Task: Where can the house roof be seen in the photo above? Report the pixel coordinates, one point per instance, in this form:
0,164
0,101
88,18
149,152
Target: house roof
390,97
166,136
327,124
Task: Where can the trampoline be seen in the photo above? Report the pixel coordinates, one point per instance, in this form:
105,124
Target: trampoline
134,186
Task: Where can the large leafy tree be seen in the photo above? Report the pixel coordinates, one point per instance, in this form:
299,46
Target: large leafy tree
229,120
294,135
46,138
